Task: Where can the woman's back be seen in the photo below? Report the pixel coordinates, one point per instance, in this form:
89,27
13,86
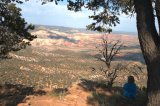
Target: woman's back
130,88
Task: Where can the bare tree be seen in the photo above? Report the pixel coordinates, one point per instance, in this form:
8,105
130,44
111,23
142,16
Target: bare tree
107,51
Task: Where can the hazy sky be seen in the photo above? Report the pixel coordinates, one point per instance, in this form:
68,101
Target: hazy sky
58,15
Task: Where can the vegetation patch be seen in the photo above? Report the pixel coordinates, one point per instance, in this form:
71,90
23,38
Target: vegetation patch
59,92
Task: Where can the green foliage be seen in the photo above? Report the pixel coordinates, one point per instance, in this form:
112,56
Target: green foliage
9,1
106,12
14,31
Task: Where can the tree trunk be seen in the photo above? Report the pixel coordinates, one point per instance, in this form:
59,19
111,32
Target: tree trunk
149,42
157,6
153,85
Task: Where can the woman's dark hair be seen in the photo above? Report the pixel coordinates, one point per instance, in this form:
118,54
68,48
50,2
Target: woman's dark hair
130,79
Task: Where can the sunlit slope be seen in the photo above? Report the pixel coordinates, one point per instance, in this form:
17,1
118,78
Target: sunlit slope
60,57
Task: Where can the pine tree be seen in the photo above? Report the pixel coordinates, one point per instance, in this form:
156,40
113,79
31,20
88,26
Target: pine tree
14,31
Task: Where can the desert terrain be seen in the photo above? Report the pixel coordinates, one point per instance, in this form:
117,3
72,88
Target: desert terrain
61,58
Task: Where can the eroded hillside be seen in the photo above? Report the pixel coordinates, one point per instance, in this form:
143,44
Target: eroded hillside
61,57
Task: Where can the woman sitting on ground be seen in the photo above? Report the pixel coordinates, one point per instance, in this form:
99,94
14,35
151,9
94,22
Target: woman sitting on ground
130,88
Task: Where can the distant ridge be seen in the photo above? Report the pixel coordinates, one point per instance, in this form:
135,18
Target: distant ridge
126,33
68,29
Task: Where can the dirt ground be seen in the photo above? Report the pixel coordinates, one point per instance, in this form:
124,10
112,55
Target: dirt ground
76,97
85,93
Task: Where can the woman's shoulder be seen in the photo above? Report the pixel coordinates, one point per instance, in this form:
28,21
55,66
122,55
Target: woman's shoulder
129,84
126,84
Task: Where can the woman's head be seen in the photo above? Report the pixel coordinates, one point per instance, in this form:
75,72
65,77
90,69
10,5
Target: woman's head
130,79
